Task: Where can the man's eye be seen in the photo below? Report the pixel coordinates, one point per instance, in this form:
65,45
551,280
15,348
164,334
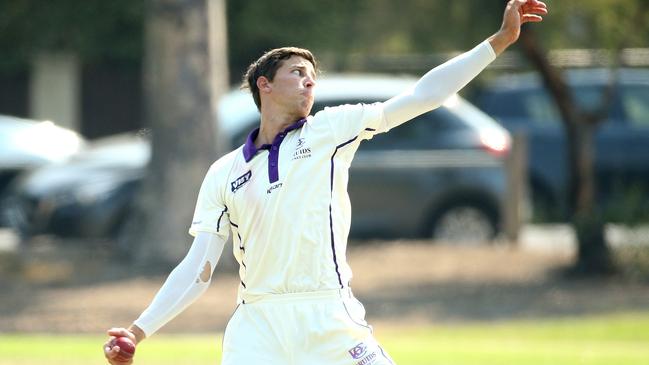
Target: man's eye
297,72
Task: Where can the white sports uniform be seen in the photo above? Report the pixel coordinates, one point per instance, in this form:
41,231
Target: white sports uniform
287,207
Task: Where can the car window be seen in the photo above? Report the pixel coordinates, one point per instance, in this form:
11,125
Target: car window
529,104
592,98
514,104
635,103
239,138
537,105
423,132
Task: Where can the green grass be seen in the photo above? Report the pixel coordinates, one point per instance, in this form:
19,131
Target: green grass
606,339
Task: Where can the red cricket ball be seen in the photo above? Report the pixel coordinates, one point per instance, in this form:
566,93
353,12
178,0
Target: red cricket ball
126,348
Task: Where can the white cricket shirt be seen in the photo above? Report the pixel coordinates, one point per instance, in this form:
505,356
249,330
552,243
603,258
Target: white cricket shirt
286,203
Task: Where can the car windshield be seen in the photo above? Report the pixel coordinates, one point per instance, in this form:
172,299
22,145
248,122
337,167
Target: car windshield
537,105
635,103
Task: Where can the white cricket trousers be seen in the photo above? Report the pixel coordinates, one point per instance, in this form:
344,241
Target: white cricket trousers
313,328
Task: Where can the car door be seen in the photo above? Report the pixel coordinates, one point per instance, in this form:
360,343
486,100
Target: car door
623,146
396,176
530,111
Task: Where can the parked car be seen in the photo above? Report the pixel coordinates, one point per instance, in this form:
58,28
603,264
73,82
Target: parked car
89,195
522,104
439,176
28,144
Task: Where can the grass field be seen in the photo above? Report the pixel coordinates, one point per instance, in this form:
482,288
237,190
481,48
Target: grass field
606,339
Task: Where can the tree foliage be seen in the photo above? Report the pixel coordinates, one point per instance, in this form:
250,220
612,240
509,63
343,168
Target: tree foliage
113,29
94,29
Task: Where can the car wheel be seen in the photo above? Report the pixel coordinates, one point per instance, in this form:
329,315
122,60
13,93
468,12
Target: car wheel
545,207
14,216
126,234
464,224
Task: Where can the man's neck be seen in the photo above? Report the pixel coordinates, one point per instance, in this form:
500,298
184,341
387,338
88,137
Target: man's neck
271,126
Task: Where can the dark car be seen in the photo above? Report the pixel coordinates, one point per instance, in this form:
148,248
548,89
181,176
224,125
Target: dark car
438,176
522,104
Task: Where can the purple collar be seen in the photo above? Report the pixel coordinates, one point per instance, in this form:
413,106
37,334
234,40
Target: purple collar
250,150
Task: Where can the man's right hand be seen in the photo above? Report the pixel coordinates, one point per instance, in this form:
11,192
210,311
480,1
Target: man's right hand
517,12
111,352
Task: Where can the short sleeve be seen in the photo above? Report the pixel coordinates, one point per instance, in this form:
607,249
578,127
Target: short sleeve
358,120
211,213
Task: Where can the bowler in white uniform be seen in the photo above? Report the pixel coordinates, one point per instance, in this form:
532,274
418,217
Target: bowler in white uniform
283,198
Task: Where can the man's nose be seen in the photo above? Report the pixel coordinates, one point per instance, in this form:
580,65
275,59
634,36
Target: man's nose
309,82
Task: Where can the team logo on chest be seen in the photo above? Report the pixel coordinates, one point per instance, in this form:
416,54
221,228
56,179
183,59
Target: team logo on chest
240,181
300,142
301,150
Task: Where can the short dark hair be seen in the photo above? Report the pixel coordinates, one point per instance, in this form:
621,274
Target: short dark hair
268,64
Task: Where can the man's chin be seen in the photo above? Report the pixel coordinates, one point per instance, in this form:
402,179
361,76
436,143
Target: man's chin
304,112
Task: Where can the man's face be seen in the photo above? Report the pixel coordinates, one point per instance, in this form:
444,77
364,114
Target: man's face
292,87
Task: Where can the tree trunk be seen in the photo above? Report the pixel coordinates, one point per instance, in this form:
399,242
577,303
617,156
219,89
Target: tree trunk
181,114
593,255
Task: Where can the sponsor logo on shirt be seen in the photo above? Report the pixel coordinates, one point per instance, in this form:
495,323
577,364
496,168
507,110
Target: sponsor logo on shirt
273,187
367,360
358,351
240,181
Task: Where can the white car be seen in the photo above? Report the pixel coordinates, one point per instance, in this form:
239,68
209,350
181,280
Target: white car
27,144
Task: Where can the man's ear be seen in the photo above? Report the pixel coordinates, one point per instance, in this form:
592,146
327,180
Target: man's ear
263,84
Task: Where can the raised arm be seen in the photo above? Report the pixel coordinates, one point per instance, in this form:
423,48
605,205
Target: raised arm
517,13
449,78
186,283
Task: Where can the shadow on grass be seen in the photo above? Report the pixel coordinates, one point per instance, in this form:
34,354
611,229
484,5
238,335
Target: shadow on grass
462,301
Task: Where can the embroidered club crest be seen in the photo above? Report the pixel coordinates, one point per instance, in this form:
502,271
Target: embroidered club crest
300,142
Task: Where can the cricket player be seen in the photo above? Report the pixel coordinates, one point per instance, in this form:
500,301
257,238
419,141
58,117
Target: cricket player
283,196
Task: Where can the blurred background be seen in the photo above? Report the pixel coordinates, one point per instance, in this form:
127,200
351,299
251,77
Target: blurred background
525,197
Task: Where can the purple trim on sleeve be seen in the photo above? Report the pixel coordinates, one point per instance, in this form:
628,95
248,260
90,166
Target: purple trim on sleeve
242,248
218,223
250,150
355,321
385,355
240,240
331,222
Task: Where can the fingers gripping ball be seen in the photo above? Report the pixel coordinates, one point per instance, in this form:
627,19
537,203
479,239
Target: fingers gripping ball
126,348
